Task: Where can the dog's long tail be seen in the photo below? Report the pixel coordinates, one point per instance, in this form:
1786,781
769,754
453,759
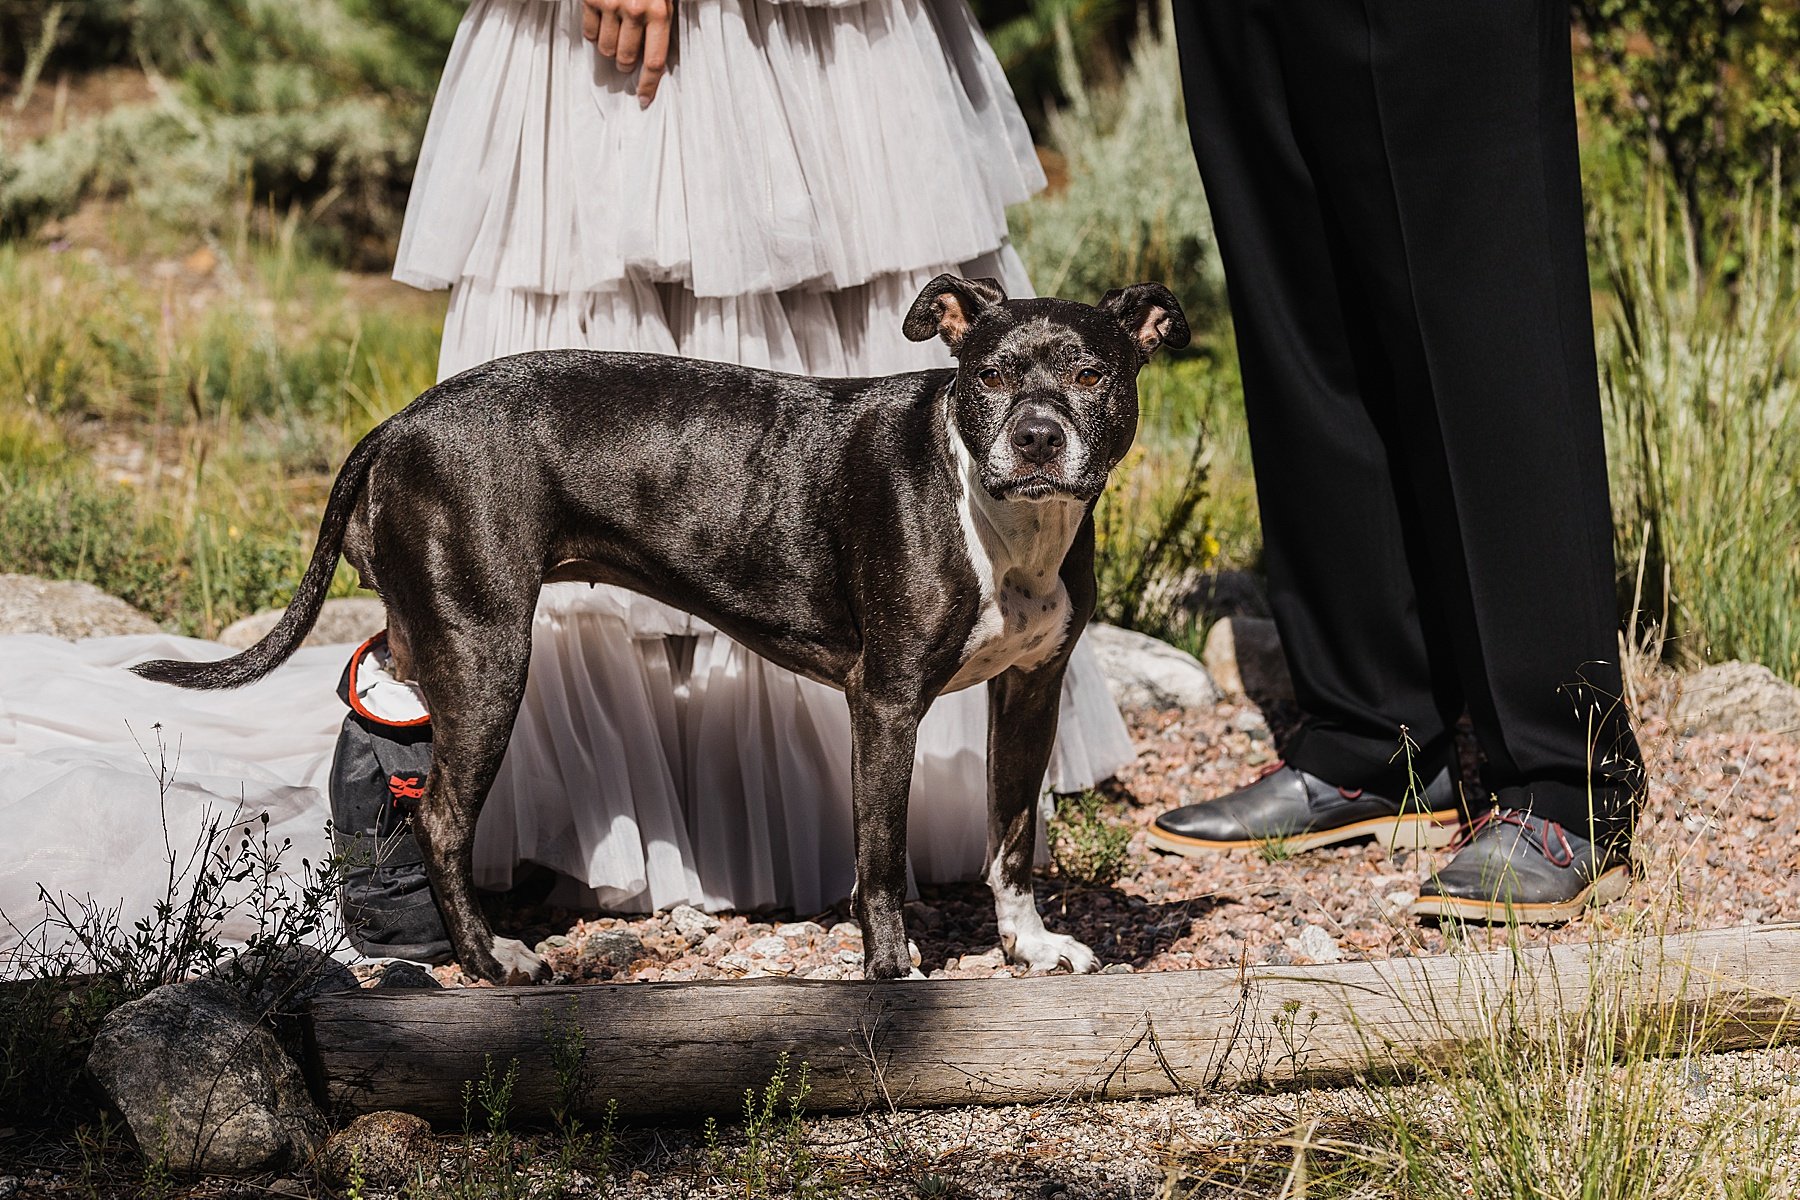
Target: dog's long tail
281,642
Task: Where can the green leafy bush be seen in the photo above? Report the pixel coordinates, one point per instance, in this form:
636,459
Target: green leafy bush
1132,208
313,107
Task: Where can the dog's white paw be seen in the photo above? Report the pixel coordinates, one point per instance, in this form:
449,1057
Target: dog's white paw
1042,950
517,962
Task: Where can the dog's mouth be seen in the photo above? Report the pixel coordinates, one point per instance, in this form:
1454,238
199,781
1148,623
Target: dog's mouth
1036,486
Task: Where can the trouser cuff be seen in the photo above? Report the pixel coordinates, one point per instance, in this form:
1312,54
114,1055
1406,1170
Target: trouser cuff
1384,767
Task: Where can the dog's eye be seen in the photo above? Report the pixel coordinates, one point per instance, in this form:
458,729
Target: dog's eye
1087,377
992,378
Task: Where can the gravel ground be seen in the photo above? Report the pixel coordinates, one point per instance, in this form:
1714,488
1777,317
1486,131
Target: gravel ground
1216,1147
1717,846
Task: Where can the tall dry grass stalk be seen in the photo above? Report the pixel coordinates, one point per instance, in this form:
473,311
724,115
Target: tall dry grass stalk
1562,1088
1702,387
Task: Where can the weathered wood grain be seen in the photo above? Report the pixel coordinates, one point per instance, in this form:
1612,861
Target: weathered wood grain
695,1047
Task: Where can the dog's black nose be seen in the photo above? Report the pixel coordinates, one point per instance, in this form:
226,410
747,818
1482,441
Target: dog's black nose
1038,439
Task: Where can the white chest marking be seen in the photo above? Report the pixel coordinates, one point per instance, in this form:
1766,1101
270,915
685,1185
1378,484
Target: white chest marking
1017,550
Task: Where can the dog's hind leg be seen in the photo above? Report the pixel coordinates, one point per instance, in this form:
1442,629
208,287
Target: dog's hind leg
473,677
460,618
1022,709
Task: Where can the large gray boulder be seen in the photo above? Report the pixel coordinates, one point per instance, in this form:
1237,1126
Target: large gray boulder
1737,698
202,1085
347,620
1143,672
1245,659
66,609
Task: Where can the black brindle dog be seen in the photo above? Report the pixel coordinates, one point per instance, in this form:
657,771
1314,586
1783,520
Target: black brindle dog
897,538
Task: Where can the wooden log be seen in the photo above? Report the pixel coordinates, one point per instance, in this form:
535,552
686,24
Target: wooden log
696,1047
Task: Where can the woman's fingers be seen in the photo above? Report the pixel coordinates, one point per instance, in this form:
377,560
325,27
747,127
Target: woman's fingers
607,43
631,34
656,56
627,30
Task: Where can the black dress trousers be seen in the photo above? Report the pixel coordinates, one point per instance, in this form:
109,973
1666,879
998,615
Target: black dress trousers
1397,200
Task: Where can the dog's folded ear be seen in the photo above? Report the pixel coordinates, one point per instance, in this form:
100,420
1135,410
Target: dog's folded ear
948,306
1150,313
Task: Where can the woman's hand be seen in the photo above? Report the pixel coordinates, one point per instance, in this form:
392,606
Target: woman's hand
624,30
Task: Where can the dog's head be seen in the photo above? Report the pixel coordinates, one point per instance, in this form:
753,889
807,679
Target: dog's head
1045,397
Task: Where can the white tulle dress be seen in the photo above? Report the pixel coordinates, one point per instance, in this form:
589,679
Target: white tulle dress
804,170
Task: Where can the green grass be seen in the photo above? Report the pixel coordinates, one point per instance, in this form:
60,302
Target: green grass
170,438
1701,378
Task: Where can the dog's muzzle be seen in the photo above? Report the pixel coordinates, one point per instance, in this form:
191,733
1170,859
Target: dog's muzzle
1035,457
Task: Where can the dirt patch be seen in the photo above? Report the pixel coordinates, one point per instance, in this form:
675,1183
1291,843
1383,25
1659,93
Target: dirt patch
1718,845
62,99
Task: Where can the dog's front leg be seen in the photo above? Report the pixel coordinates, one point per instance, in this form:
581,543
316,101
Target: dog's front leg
884,732
1022,710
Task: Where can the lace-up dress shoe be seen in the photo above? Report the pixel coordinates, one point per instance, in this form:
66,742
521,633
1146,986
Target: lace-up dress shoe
1513,867
1303,812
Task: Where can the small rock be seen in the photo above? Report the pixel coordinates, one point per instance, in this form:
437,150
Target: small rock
1737,698
397,976
691,923
277,989
347,620
803,931
385,1148
202,1085
1248,720
1117,969
1399,901
846,931
1243,654
1142,672
1318,945
987,958
767,947
283,983
736,964
66,609
289,1187
850,958
10,1186
556,941
617,948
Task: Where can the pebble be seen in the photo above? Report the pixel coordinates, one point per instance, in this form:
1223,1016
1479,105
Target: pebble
800,930
987,958
850,958
1318,945
612,947
691,923
10,1186
846,931
767,947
